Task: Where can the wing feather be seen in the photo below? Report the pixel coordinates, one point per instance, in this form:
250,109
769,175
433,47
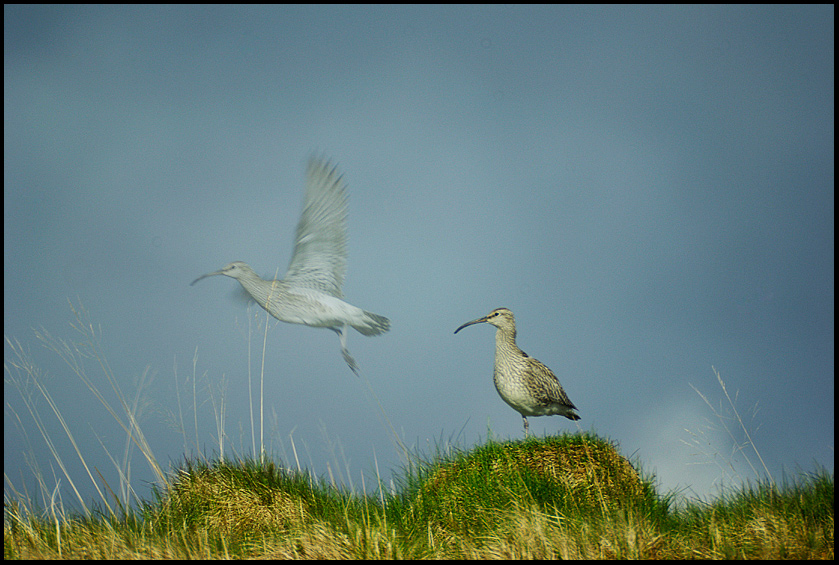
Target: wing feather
319,261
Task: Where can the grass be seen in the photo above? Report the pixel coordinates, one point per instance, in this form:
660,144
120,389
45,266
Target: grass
499,500
566,496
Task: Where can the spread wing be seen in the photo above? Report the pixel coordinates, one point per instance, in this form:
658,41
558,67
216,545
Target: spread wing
320,250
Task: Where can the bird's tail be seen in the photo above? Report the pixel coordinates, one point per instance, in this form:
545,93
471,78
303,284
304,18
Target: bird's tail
372,324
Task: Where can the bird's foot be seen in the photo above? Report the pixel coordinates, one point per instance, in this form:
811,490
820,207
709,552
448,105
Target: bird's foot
350,361
342,335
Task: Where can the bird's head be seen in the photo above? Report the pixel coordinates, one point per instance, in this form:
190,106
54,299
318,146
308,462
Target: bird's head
236,270
501,318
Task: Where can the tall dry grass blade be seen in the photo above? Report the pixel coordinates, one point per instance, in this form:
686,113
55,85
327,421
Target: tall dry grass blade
27,367
262,391
738,447
745,430
92,348
73,354
250,382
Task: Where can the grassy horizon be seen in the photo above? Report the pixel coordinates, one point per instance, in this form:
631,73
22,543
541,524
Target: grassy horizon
564,496
498,500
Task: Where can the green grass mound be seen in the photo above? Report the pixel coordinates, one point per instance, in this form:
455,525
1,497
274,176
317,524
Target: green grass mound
566,474
236,500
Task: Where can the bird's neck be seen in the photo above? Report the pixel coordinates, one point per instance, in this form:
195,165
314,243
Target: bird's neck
264,292
505,340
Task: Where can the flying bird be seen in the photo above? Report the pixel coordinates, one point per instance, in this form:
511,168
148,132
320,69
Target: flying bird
310,292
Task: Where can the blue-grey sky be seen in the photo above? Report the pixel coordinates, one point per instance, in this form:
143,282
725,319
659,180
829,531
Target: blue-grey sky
649,189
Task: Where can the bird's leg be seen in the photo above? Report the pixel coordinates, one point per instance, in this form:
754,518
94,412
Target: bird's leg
526,426
342,335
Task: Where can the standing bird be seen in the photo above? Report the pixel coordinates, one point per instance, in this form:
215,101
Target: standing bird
310,293
524,383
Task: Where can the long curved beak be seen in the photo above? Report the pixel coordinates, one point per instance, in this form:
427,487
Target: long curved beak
478,321
205,276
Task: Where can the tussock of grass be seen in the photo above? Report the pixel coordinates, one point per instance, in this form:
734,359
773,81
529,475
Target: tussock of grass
572,473
233,500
